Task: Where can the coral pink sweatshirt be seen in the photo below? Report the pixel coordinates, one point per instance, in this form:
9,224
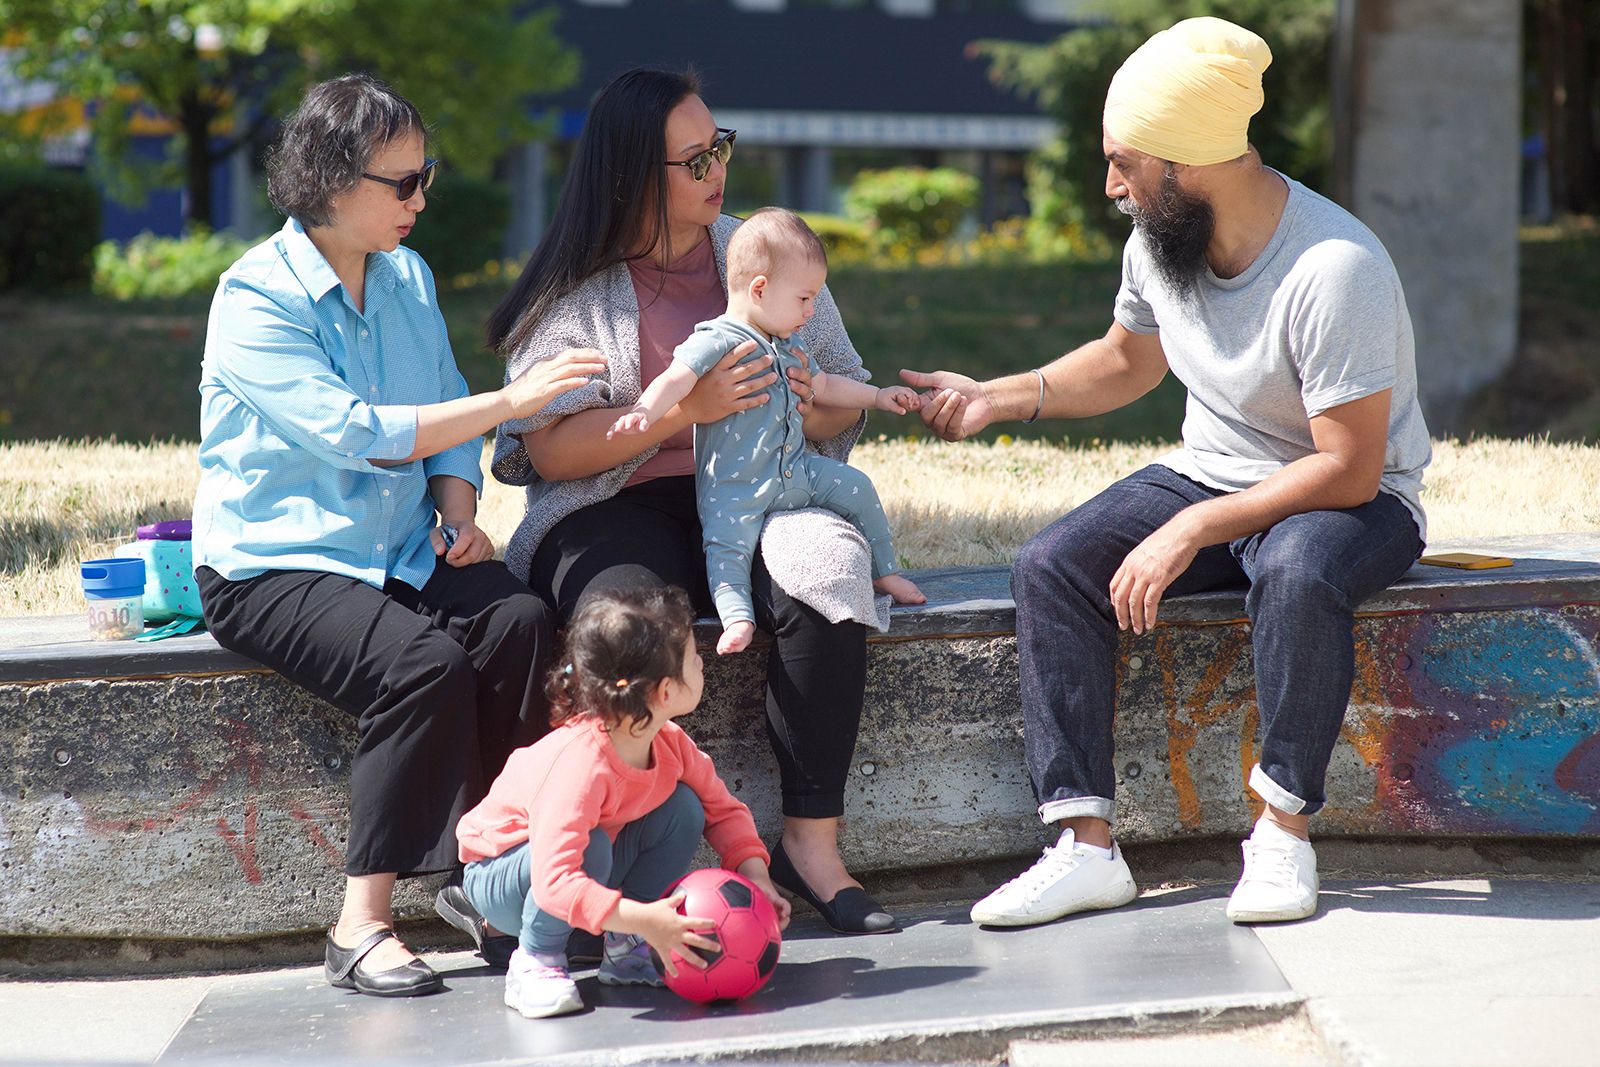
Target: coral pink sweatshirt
554,792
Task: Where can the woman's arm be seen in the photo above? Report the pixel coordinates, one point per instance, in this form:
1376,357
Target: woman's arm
576,445
445,425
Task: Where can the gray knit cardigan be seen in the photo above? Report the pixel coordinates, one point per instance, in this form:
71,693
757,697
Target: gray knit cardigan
814,555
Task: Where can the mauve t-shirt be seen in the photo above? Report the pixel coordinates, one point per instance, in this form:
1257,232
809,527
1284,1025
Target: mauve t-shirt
690,293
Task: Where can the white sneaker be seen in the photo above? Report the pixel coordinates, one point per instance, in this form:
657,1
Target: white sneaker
535,990
627,962
1067,878
1280,878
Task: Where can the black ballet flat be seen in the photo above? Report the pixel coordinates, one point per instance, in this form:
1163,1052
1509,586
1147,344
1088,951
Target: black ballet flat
851,911
453,907
342,966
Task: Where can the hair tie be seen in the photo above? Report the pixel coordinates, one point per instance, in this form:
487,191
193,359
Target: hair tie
622,683
567,670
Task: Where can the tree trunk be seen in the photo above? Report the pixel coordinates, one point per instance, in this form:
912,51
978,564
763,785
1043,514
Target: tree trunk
195,118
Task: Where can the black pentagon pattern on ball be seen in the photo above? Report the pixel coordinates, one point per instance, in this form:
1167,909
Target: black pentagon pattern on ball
737,894
769,960
747,937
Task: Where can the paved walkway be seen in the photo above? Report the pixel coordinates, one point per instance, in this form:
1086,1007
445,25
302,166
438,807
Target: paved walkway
1460,972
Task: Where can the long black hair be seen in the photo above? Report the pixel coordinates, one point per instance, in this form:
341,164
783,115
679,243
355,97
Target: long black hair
614,200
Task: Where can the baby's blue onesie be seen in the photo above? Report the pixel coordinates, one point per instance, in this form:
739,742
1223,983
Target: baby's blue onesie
755,461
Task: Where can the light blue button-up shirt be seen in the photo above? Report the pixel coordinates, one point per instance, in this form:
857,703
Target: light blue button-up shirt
301,396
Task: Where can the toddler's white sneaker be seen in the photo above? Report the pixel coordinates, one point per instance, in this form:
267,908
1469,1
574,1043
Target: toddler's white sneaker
535,990
1280,877
627,962
1069,877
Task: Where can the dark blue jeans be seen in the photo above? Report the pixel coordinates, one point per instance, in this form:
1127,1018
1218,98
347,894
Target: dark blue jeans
1305,576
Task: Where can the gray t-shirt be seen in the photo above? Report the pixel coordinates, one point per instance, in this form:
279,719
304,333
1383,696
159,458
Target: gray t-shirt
1318,320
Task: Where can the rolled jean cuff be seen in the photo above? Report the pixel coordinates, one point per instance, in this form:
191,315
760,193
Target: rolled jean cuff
1076,808
1275,794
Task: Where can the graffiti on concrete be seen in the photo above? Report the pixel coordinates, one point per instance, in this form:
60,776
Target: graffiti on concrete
1469,722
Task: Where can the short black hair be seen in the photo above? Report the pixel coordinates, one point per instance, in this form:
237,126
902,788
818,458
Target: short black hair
330,140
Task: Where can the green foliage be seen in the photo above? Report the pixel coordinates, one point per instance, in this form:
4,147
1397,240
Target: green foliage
1069,77
910,207
223,70
463,226
845,239
149,266
49,221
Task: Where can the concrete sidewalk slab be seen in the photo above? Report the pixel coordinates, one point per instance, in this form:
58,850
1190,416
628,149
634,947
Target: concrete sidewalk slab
1471,971
940,979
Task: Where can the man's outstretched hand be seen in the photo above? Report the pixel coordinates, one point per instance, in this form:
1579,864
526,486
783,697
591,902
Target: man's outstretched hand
953,405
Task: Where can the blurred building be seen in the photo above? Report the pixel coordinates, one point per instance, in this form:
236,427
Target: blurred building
817,90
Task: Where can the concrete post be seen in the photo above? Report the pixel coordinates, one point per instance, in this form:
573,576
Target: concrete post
1428,117
525,174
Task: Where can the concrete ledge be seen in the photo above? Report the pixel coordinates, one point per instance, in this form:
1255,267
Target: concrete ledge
176,790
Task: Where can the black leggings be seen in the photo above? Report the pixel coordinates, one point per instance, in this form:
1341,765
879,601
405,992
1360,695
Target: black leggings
649,535
443,684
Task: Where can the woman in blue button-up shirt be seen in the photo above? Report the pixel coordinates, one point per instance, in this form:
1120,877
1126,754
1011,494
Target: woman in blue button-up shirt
334,532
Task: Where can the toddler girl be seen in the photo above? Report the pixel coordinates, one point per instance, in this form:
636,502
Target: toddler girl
588,826
756,461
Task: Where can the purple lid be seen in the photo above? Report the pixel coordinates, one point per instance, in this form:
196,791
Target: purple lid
178,530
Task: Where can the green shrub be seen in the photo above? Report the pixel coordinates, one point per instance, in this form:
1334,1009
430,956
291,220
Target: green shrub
845,239
910,206
151,266
49,222
464,225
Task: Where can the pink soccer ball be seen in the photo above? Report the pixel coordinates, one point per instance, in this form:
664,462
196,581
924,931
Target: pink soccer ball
746,928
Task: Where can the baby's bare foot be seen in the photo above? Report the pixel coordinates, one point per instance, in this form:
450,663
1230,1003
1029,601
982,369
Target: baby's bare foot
903,589
735,638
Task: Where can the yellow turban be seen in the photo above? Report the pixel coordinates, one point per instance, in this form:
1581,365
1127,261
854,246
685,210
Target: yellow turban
1187,93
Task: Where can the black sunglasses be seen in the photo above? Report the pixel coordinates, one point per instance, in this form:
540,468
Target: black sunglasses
405,188
721,151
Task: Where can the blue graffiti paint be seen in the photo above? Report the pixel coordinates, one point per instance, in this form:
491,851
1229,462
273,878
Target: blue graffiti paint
1506,675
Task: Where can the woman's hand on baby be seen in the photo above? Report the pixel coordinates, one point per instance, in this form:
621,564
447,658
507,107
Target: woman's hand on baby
636,420
899,399
667,932
801,385
727,387
471,545
541,383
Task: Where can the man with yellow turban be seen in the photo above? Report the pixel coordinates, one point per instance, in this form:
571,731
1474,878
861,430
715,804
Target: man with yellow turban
1299,475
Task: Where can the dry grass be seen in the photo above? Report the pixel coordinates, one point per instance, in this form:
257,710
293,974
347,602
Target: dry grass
948,504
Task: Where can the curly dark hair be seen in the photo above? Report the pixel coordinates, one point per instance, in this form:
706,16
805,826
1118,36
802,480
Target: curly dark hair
330,139
620,645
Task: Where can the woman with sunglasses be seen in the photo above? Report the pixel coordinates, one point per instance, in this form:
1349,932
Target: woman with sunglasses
334,532
633,258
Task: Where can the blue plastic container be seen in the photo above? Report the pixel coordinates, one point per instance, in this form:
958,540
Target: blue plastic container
115,591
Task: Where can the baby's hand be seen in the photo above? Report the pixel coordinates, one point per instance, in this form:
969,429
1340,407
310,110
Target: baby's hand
736,638
634,421
899,399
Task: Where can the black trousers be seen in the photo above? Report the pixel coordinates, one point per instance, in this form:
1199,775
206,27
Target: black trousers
649,535
444,682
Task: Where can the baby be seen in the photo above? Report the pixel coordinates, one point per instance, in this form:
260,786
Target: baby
755,461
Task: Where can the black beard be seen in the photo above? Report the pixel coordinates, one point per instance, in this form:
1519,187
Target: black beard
1176,228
